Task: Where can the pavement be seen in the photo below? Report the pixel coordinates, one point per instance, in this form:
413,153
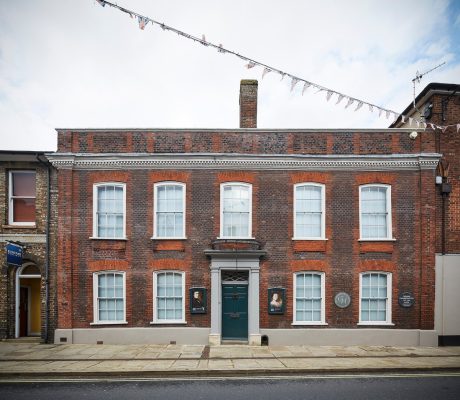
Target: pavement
35,360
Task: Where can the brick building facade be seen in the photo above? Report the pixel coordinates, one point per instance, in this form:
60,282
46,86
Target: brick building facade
286,236
439,103
27,295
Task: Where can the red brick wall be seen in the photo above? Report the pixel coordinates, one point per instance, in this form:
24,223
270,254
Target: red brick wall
342,257
240,141
448,144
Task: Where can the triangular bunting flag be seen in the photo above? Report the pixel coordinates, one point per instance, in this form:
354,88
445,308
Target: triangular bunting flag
294,82
433,126
250,65
380,112
350,102
221,49
371,107
305,87
387,114
101,2
283,74
329,94
266,71
341,97
444,129
360,104
143,21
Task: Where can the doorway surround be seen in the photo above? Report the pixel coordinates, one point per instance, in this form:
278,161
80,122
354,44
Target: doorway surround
235,260
22,274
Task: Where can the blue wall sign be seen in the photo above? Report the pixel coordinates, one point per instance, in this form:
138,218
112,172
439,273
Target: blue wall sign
14,254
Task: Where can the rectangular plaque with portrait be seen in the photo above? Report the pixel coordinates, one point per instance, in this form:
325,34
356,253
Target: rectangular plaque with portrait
276,300
198,300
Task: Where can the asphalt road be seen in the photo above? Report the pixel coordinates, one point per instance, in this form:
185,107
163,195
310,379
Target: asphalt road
355,387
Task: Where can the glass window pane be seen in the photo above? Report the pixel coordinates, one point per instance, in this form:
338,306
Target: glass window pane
364,315
23,210
178,279
381,316
178,224
300,279
300,304
23,183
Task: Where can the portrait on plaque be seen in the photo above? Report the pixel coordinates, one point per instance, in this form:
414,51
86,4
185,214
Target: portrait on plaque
198,300
276,300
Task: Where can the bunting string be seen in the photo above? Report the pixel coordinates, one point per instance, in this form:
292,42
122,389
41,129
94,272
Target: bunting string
143,21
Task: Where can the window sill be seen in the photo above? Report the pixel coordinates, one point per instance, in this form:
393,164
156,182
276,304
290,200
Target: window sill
168,238
309,324
102,238
109,323
235,238
310,239
377,240
168,322
16,226
375,323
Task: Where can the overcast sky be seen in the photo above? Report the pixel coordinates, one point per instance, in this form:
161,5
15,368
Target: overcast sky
75,64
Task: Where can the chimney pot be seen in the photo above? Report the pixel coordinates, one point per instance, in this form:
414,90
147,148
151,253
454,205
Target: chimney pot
248,103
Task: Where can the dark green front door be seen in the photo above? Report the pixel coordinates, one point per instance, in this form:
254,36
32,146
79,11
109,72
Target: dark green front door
235,312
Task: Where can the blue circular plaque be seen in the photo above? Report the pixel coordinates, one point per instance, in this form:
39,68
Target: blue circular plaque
406,300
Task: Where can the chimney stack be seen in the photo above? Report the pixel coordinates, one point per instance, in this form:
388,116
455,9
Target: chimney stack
248,103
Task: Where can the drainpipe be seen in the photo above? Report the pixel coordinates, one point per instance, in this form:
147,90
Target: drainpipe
47,251
446,188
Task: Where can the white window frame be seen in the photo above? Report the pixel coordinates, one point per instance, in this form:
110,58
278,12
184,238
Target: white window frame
95,226
11,198
222,186
389,235
323,299
155,198
156,320
389,298
95,298
323,212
